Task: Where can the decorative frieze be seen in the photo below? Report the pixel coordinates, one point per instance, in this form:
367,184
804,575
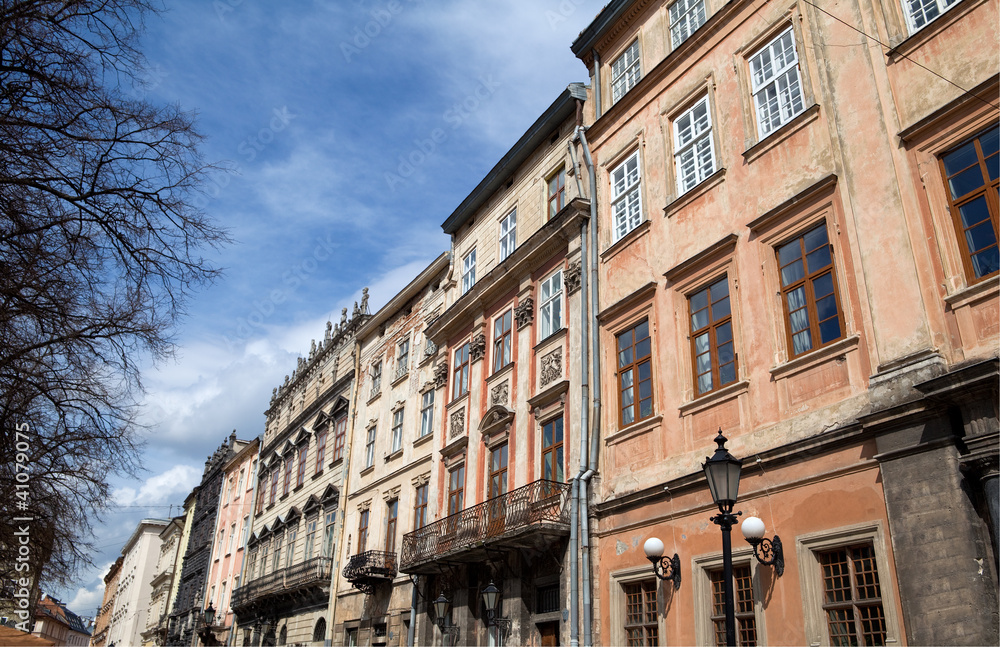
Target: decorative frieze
391,494
551,367
457,426
524,313
477,349
572,277
500,394
422,479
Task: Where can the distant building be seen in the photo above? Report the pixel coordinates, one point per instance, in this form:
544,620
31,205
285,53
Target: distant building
131,602
162,583
232,529
55,622
391,468
291,565
102,620
187,611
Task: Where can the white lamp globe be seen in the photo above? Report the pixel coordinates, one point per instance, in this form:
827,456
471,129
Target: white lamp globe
752,527
653,548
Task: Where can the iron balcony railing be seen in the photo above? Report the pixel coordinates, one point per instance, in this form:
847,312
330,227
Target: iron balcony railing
533,503
315,571
371,564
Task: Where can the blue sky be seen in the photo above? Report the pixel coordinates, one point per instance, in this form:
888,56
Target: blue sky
326,112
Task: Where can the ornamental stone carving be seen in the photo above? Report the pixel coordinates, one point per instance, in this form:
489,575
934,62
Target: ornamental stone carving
551,367
477,349
440,375
500,394
524,313
572,277
457,426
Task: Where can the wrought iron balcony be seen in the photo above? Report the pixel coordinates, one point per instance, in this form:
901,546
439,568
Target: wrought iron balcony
524,515
315,572
366,570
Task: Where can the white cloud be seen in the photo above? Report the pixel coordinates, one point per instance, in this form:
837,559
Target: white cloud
167,487
86,601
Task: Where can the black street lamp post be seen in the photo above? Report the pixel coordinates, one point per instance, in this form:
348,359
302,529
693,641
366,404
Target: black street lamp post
723,473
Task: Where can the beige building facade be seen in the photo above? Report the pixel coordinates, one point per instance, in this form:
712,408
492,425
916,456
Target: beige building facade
139,558
391,464
162,583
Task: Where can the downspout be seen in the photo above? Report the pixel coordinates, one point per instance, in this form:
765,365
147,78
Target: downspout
411,629
597,99
595,432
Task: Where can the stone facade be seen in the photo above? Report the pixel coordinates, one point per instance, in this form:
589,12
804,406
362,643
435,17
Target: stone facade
391,464
162,583
139,557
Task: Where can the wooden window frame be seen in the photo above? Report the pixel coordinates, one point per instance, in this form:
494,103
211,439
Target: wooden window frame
402,357
456,489
634,365
376,378
329,526
274,486
508,234
746,620
626,193
807,282
320,450
987,191
427,413
370,447
498,473
310,544
286,486
681,25
693,145
469,270
550,301
300,478
712,328
854,604
555,193
941,6
293,535
502,340
362,531
554,451
460,371
339,438
397,430
645,593
420,506
391,524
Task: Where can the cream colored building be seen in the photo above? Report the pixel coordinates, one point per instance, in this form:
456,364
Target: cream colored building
139,558
392,470
291,563
162,583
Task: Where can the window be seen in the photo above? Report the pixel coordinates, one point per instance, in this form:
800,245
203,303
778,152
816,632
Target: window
232,539
263,559
557,192
694,150
301,477
260,495
239,484
427,413
460,372
635,378
376,378
809,291
370,448
391,517
290,548
970,171
552,450
331,518
852,596
227,488
246,531
276,554
508,235
397,431
501,341
222,597
320,450
319,632
288,475
222,543
712,337
746,620
420,507
775,85
640,613
456,489
307,549
626,201
274,485
339,438
920,12
468,271
402,358
686,16
625,72
498,471
550,308
252,566
363,531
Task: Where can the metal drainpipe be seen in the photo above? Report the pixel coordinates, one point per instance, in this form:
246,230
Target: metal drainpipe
411,629
594,433
597,92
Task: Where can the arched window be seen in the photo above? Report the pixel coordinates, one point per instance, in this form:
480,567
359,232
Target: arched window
283,636
319,633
